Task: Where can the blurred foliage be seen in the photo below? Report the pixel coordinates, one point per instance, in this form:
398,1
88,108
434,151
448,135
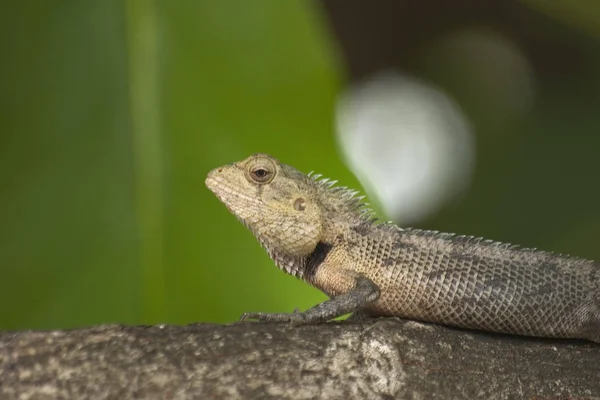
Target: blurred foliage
582,15
113,112
105,217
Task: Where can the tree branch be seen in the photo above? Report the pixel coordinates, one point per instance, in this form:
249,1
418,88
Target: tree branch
385,358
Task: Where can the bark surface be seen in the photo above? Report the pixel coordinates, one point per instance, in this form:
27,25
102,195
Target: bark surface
385,358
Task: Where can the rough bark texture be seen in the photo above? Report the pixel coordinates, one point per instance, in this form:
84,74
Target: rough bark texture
386,358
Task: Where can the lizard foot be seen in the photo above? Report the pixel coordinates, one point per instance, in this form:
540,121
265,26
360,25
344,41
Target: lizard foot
296,318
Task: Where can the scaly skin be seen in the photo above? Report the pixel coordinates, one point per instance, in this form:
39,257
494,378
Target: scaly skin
325,236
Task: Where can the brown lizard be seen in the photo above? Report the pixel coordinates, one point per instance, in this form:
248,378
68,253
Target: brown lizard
326,236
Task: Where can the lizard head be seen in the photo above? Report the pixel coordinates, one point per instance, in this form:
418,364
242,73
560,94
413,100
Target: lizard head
279,204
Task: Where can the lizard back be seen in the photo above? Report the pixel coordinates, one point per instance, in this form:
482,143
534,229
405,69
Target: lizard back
474,283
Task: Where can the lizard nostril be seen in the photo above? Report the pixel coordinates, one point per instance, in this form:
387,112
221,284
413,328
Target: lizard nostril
220,170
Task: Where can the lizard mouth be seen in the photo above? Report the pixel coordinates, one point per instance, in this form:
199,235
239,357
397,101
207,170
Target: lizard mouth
211,183
219,186
225,191
235,200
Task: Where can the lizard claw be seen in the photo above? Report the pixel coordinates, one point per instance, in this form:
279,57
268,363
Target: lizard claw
246,316
259,316
267,317
295,319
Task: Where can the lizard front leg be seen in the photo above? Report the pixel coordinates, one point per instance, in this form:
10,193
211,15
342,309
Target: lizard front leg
363,292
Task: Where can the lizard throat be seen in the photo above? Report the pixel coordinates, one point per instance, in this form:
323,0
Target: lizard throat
301,267
315,259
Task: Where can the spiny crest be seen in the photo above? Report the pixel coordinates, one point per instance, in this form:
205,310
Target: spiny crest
466,239
344,195
354,202
475,240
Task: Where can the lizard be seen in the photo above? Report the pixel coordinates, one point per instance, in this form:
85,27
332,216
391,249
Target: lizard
327,236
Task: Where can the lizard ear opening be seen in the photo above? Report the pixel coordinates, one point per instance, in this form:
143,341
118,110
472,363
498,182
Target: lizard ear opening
300,204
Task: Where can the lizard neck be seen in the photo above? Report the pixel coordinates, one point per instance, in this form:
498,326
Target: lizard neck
286,262
342,216
302,267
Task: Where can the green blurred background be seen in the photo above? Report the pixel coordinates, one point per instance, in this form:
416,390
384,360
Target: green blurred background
112,112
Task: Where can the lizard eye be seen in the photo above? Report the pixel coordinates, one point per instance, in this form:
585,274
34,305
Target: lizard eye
260,170
261,175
